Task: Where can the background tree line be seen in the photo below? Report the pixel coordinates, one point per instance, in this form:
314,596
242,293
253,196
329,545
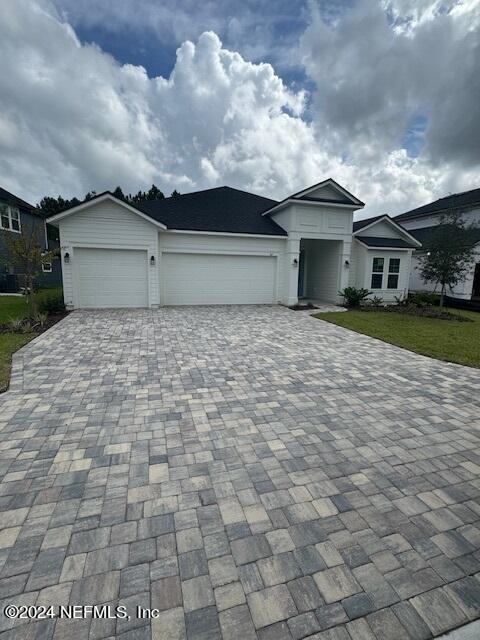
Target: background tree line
49,206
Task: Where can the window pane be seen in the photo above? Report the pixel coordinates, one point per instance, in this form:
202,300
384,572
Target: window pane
14,213
392,281
378,265
47,267
394,265
5,221
376,281
15,225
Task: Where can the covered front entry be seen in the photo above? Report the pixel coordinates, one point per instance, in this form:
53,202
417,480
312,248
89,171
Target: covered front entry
319,269
196,278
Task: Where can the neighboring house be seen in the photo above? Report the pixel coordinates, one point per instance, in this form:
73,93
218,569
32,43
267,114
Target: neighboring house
222,246
381,257
422,221
20,217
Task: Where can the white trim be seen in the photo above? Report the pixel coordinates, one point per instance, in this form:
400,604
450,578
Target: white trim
228,234
328,182
383,248
226,252
392,221
311,203
9,209
93,201
44,269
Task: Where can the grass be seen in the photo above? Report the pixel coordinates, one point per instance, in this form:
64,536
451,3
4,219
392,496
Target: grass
447,340
16,307
13,307
9,343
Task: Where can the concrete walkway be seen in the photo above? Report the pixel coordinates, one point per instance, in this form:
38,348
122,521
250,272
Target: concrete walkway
249,472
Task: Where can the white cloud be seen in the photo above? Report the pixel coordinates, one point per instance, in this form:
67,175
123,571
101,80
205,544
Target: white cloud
73,119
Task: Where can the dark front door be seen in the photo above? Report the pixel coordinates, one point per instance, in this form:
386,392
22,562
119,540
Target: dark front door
476,282
301,273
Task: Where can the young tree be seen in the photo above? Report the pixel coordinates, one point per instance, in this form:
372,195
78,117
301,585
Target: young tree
26,253
175,194
449,252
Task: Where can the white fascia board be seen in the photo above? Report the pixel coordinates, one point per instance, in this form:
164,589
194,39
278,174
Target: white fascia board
359,239
227,233
395,224
310,203
93,201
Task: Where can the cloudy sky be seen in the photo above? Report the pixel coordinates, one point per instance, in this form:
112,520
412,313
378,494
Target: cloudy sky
382,95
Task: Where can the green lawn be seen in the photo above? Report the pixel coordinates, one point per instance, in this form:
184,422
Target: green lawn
13,307
16,307
448,340
9,343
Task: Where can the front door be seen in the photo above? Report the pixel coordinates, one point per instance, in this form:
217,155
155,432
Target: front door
476,282
301,273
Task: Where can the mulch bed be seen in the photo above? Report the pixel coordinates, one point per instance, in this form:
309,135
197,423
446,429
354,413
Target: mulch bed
413,310
52,319
302,307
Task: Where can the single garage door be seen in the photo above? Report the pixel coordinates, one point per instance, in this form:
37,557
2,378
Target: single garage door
110,278
195,278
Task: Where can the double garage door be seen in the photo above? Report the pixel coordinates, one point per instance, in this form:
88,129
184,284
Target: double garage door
119,278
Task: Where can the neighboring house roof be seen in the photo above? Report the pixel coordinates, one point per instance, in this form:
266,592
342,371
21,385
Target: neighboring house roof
222,209
15,200
454,201
386,243
423,234
409,239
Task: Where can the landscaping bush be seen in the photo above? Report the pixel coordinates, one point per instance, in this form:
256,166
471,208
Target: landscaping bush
51,302
353,296
423,299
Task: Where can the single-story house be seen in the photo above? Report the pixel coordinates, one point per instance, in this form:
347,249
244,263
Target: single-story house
227,246
422,222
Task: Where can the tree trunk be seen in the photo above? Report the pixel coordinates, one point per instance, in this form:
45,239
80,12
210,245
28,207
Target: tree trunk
442,295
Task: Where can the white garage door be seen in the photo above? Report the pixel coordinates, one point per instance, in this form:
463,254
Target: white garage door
110,278
193,278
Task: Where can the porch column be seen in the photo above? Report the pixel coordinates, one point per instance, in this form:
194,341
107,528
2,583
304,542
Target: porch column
344,271
292,254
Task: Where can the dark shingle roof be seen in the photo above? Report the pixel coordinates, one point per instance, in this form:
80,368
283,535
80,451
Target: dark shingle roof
456,201
222,209
12,199
423,234
394,243
359,224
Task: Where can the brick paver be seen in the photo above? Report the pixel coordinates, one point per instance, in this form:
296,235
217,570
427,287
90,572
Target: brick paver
248,471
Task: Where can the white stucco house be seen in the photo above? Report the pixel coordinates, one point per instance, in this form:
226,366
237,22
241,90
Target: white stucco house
226,246
422,221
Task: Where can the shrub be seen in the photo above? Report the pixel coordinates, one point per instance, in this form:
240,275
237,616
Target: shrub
51,303
16,324
40,319
353,296
424,299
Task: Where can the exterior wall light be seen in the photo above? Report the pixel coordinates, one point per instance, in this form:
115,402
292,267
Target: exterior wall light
347,263
66,257
295,262
152,261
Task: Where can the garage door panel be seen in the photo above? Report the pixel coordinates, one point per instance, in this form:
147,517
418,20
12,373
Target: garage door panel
111,278
218,279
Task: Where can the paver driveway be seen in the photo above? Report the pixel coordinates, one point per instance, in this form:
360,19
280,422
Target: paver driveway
251,472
